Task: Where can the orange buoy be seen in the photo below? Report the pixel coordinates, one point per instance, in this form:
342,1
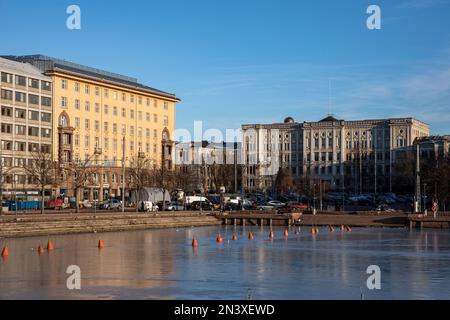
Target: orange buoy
194,243
5,251
50,246
40,249
286,233
234,237
349,229
313,230
250,236
317,230
101,244
219,239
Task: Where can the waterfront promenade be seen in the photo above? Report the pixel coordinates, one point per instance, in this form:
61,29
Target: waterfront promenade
54,223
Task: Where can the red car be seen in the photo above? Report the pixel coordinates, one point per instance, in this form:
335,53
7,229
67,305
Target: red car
297,205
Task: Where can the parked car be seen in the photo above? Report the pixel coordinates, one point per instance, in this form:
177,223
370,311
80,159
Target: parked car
276,204
205,205
175,206
297,205
147,206
263,207
113,204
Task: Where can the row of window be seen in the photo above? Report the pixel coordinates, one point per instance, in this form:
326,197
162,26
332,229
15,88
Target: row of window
87,107
115,144
115,94
22,114
23,146
7,128
106,128
21,97
22,81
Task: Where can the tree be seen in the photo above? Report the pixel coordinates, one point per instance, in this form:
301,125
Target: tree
284,182
4,170
41,171
79,172
140,174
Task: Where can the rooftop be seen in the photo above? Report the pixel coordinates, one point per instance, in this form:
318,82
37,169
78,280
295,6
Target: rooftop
20,67
46,64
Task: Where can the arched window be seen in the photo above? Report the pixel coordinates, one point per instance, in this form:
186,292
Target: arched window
63,121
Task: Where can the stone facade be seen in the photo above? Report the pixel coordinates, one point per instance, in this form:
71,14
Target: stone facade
26,125
348,155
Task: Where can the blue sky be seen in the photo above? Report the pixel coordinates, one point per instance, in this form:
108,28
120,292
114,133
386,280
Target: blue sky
250,61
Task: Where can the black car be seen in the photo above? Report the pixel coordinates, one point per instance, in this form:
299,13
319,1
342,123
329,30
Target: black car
203,204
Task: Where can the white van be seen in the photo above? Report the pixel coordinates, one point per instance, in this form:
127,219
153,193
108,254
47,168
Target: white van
190,199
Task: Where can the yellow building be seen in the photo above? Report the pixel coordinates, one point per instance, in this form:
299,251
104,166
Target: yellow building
95,110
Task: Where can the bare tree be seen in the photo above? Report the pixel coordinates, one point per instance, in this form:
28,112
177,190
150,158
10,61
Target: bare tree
4,170
40,170
284,182
79,173
139,173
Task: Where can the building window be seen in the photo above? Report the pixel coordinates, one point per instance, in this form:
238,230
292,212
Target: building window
33,83
33,99
46,117
165,105
46,101
115,95
46,133
140,115
124,97
21,81
124,129
97,91
124,113
77,104
105,109
132,114
97,108
86,123
20,114
166,121
106,126
155,118
132,130
46,85
105,93
6,111
140,100
77,87
6,77
86,142
115,111
132,98
96,125
147,116
63,84
21,97
63,102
